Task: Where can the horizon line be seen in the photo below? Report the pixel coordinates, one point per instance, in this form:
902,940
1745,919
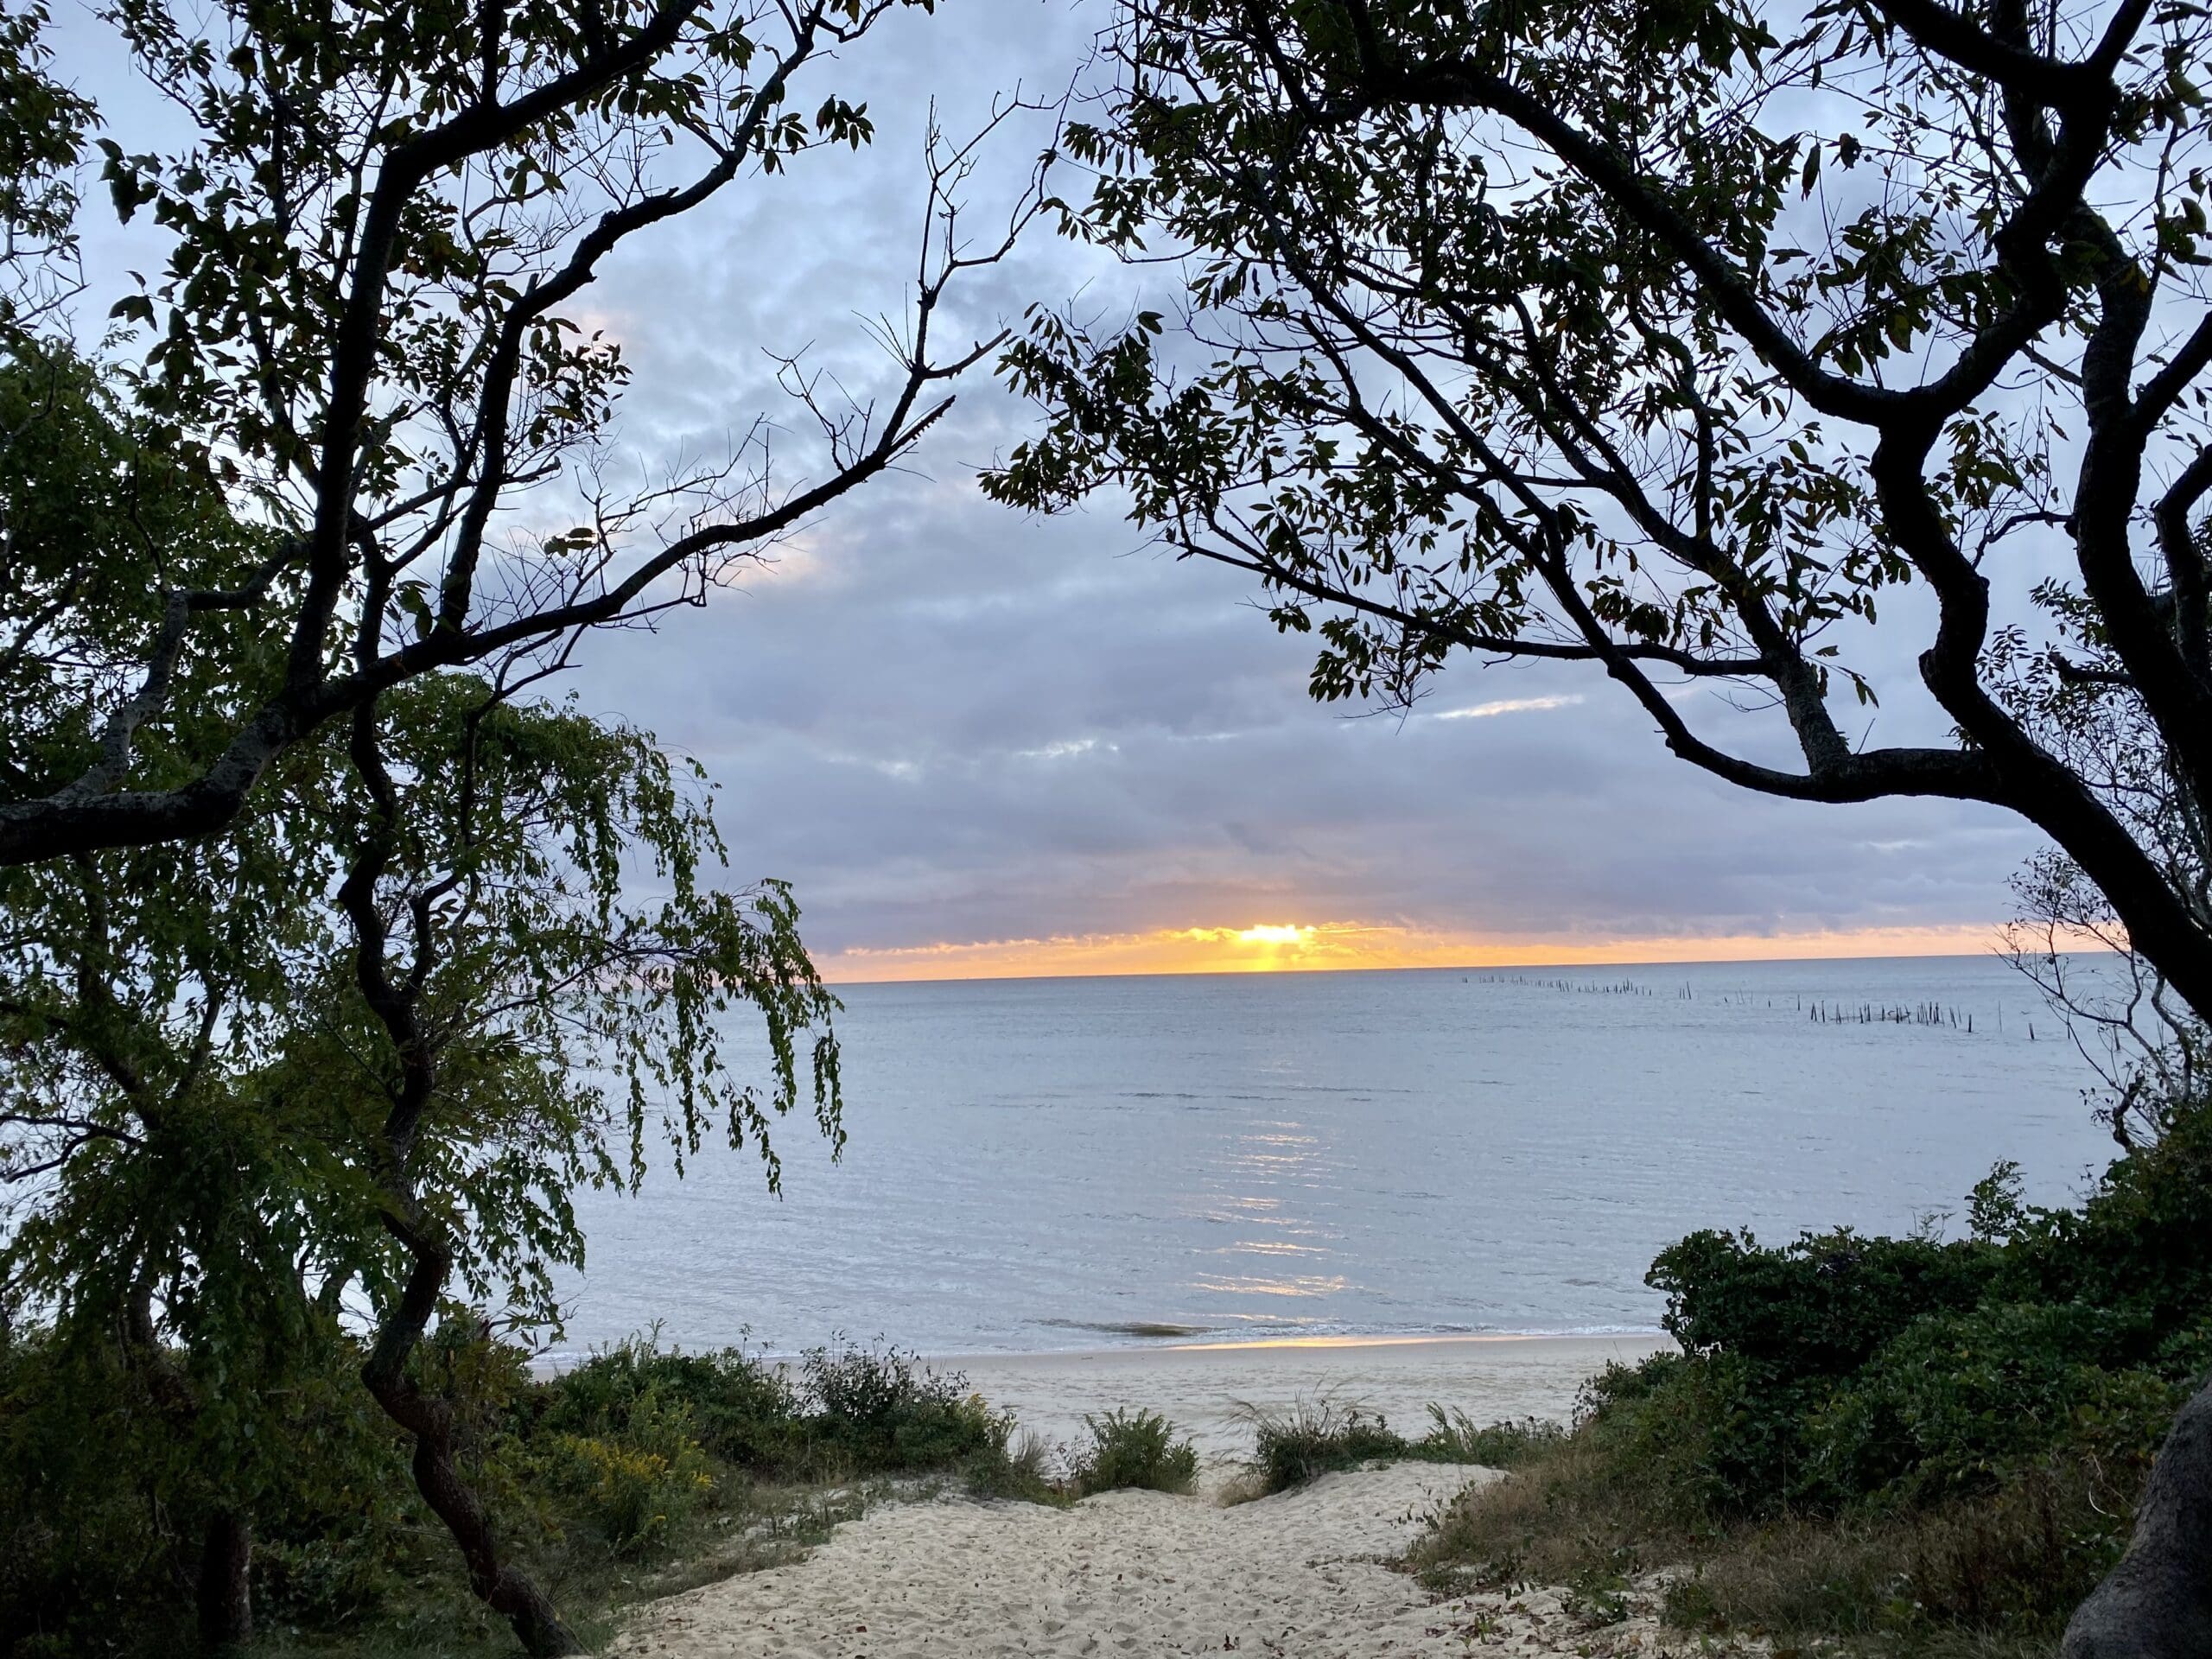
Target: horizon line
1564,962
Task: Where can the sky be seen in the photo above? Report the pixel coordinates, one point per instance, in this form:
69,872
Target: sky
980,743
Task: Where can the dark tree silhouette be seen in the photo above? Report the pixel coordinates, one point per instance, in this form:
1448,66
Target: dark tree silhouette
1667,338
378,243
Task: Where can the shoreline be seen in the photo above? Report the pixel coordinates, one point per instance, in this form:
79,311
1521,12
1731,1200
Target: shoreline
1209,1390
1187,1343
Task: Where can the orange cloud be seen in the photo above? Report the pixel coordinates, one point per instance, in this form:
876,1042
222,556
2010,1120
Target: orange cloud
1270,946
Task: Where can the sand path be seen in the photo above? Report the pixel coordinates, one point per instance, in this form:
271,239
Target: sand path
1304,1574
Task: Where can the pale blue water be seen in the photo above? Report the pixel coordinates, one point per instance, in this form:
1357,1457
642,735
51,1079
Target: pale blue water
1040,1164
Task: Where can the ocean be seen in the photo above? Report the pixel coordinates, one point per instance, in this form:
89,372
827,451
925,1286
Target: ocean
1037,1165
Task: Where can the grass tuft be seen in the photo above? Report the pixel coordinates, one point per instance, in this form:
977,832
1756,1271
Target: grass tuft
1319,1436
1133,1451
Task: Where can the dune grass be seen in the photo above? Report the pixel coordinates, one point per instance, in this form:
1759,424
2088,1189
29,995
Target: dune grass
1132,1451
1314,1436
1989,1577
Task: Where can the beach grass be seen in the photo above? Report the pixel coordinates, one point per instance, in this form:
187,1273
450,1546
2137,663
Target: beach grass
1317,1436
1133,1451
1979,1579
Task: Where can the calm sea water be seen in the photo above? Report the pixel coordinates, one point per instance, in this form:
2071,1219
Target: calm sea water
1048,1164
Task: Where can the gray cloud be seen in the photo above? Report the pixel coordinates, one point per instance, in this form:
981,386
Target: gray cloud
945,721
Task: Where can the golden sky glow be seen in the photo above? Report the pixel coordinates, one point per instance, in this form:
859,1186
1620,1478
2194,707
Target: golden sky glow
1292,947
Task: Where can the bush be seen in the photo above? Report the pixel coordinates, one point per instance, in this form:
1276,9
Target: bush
595,1477
741,1411
1133,1451
1454,1437
637,1488
885,1410
1994,1574
1817,1307
2136,1246
1315,1437
1959,1401
1923,1445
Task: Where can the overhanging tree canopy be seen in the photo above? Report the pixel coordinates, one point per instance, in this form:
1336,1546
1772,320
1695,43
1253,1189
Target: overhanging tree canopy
1669,338
335,1074
378,242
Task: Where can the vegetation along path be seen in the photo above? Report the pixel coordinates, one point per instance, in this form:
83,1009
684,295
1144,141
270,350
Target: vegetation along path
1310,1572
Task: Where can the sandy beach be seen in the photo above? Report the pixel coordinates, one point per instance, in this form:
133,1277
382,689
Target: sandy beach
1202,1386
1306,1574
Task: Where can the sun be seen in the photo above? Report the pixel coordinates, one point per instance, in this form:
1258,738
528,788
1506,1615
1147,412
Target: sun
1268,933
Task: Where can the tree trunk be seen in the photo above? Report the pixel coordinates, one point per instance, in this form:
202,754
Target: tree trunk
2158,1602
427,1417
504,1588
226,1581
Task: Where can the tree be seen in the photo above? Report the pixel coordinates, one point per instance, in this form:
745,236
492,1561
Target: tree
375,1119
299,896
1669,338
138,990
42,125
333,1077
376,242
493,975
2147,1047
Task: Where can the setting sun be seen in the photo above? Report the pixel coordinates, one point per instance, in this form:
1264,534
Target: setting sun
1283,947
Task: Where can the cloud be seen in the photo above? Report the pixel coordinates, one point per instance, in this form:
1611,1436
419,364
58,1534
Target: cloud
1067,749
943,721
1508,705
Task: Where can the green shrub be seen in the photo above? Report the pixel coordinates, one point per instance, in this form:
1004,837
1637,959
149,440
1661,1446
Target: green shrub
885,1410
2136,1246
1454,1437
1907,1445
636,1484
1959,1401
2185,1355
742,1410
1315,1437
595,1477
1817,1307
1717,1434
1136,1451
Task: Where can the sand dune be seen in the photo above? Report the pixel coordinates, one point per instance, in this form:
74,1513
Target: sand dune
1306,1574
1133,1573
1303,1575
